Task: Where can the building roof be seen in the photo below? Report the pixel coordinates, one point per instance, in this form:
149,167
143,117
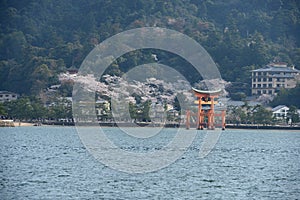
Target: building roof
207,91
276,69
278,107
7,92
101,101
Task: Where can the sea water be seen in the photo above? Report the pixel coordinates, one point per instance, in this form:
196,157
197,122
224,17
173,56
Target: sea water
52,163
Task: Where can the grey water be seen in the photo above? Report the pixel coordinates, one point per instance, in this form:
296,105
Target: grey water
52,163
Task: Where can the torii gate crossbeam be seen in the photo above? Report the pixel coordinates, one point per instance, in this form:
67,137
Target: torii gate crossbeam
206,98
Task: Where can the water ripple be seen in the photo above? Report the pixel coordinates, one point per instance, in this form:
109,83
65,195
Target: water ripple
52,163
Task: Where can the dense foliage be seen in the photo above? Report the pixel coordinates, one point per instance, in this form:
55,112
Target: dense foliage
32,109
288,97
39,39
250,115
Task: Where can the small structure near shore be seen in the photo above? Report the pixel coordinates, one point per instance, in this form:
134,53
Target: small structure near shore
7,123
206,101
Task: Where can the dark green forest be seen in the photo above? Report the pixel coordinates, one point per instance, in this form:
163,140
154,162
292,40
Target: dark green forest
41,38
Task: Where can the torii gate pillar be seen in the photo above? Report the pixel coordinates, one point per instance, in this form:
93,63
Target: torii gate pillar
206,98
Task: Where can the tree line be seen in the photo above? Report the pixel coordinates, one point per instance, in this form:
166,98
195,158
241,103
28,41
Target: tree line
259,115
32,109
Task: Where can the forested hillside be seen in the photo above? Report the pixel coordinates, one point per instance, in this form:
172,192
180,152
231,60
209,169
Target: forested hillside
40,39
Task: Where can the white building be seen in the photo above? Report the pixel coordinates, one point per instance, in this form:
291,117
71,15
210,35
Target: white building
280,112
7,96
269,79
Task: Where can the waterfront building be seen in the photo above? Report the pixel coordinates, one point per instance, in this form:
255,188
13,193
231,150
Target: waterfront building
102,108
271,78
280,112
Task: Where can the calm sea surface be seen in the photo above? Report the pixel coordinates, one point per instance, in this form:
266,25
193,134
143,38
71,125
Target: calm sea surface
52,163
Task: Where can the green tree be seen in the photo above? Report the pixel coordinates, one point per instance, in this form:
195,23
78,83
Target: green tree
40,78
39,111
237,115
146,109
61,109
293,115
262,116
20,109
2,110
287,97
13,46
132,111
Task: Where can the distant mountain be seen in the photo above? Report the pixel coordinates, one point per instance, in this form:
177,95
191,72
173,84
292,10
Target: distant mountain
40,39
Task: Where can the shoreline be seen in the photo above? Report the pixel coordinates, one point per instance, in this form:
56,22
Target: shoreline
176,125
258,127
126,124
11,123
19,124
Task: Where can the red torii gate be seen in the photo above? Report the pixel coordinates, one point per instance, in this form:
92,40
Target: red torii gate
206,98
